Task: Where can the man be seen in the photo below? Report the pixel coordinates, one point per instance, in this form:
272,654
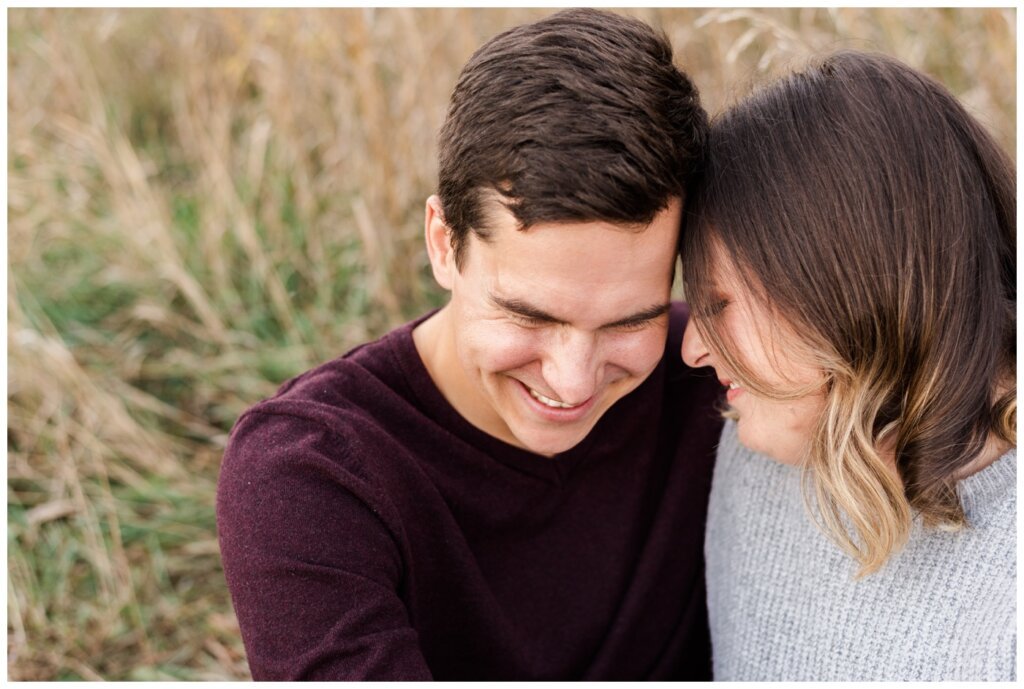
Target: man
515,486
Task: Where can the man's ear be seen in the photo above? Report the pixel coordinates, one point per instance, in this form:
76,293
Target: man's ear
439,245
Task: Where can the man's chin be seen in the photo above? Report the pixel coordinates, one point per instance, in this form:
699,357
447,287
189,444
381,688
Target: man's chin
550,444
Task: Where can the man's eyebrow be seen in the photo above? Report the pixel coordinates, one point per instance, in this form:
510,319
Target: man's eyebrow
648,314
521,308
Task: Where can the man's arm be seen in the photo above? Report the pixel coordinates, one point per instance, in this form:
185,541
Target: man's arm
313,571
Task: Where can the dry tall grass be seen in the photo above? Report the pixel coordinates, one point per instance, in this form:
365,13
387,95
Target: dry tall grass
204,203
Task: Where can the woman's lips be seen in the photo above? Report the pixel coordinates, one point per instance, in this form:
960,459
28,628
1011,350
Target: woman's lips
733,390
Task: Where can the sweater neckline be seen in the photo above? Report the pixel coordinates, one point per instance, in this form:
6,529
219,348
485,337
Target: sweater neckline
555,469
986,489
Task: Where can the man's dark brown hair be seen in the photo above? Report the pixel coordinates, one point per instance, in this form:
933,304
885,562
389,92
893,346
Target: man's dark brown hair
581,116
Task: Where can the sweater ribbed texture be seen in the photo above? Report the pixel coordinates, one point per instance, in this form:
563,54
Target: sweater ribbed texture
784,604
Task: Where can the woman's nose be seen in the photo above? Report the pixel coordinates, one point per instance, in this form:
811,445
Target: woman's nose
694,353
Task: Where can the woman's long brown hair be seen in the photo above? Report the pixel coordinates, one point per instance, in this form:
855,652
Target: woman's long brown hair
863,205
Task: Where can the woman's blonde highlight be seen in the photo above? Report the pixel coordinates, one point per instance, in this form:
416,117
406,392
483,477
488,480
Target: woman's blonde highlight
849,477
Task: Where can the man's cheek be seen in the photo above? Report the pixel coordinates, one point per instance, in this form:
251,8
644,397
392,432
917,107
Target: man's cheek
638,353
502,348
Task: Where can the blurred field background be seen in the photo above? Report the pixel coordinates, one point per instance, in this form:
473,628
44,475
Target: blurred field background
204,203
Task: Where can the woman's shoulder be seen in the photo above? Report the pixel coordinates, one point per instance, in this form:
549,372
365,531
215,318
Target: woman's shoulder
754,500
979,561
989,497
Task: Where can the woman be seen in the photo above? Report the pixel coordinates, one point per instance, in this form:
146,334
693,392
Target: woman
850,259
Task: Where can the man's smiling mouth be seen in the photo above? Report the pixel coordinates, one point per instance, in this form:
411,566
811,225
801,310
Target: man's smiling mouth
548,401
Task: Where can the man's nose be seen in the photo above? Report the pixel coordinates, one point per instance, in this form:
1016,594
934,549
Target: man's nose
571,367
694,352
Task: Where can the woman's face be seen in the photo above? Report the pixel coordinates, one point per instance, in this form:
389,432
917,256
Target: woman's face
778,359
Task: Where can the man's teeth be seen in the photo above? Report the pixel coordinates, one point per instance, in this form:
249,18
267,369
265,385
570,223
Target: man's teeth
733,386
550,402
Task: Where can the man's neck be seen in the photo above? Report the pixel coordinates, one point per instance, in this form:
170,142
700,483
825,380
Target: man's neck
427,338
435,343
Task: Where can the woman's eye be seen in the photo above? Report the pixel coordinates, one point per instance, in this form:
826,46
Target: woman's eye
714,308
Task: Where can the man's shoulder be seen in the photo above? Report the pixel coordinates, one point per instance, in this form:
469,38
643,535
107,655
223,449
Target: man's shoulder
678,316
339,406
376,372
342,381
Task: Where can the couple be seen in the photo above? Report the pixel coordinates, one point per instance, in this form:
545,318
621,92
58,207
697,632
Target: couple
516,486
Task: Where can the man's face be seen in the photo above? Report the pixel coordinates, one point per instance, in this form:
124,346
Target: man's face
551,326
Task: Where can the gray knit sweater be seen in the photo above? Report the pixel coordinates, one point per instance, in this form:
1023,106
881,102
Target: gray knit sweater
784,605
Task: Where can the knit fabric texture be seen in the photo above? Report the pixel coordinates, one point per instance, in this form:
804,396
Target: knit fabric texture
369,531
784,604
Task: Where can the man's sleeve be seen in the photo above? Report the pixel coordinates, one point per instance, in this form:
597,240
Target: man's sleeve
311,565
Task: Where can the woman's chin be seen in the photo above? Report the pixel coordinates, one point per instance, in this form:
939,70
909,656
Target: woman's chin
757,441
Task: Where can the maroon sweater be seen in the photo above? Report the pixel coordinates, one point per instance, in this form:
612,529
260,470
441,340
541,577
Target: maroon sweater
370,532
